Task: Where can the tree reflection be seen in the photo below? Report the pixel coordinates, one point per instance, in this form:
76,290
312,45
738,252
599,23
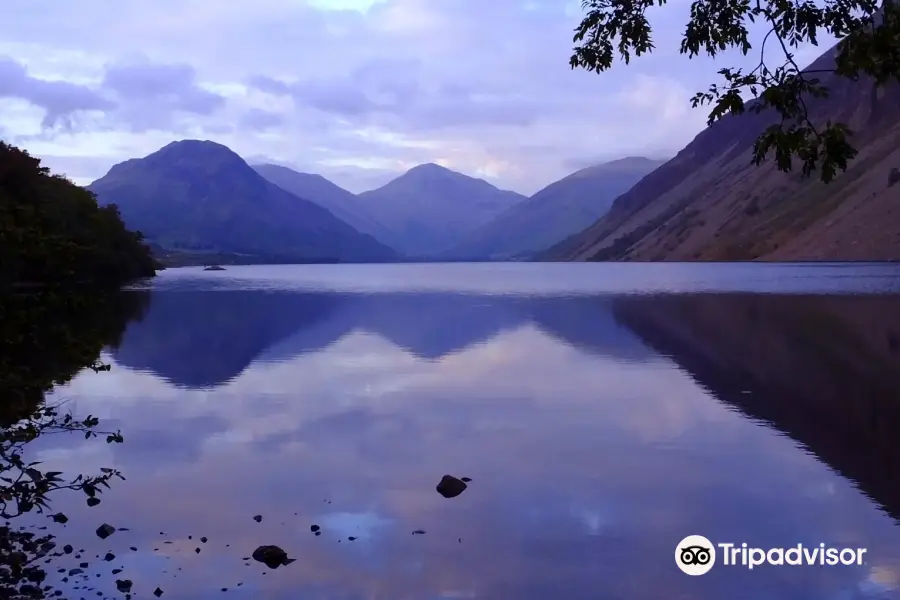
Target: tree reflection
45,339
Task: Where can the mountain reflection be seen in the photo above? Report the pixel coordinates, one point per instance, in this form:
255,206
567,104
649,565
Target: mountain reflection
823,370
197,339
598,431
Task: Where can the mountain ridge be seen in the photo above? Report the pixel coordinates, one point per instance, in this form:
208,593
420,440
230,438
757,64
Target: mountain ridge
556,211
317,188
429,207
711,203
201,195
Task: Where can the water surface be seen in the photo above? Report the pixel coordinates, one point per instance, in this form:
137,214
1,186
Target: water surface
603,412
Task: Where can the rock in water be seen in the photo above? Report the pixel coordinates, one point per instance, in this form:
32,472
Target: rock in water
104,531
450,487
271,556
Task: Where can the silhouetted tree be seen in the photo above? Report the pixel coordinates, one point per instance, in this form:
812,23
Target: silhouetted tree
869,47
53,232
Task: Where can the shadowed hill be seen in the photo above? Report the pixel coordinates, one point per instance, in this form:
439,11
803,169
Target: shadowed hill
711,203
561,209
341,203
430,208
199,195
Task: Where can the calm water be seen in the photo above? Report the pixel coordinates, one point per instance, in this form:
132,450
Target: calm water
603,412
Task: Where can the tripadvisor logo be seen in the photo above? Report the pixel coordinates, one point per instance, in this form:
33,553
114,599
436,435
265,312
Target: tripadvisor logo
696,555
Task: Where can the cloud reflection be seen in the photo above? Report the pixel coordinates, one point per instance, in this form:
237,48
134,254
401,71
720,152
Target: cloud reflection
587,468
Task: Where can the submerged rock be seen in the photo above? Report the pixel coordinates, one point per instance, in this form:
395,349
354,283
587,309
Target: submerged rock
450,486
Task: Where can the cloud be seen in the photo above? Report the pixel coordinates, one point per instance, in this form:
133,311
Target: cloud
173,85
340,86
60,100
261,120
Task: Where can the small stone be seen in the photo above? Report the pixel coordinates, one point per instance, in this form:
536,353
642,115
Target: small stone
109,556
203,539
314,528
451,487
257,518
104,531
465,479
419,532
123,585
68,549
351,538
60,518
157,592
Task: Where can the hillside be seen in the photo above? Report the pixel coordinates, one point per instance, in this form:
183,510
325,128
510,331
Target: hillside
711,203
559,210
429,208
315,188
53,232
199,195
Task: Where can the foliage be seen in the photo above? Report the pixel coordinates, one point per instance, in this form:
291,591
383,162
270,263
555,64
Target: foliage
52,231
869,46
45,339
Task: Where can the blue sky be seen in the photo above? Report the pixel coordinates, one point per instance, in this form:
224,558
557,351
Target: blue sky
357,90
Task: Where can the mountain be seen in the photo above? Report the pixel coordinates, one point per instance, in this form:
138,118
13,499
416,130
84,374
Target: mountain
711,203
559,210
341,203
429,208
200,195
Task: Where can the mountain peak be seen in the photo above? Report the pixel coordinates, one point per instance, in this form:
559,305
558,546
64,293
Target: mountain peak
195,149
430,168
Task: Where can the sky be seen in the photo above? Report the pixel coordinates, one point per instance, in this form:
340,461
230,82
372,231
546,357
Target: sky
356,90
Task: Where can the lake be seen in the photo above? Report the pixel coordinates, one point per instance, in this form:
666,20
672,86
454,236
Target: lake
603,412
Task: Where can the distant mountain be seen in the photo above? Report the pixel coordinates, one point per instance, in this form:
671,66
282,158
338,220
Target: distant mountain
554,213
711,203
200,195
341,203
429,208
